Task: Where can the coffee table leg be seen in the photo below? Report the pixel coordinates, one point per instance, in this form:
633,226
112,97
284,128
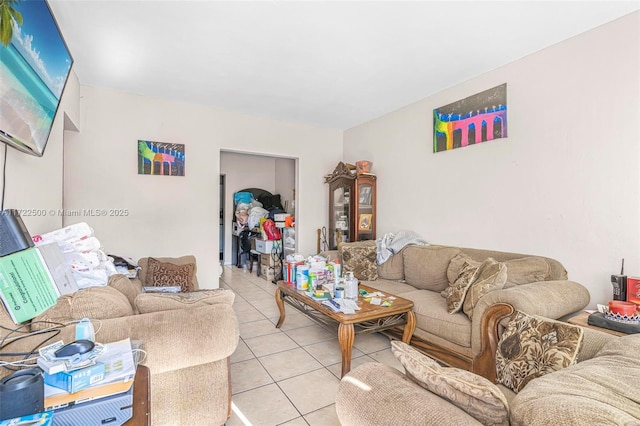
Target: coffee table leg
280,304
409,327
346,335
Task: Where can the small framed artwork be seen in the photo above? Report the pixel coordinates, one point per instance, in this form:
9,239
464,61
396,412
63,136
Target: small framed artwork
159,158
364,222
365,195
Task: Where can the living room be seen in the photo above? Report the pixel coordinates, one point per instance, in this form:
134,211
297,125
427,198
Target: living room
565,183
550,187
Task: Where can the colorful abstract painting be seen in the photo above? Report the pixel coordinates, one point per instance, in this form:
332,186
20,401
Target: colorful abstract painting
472,120
158,158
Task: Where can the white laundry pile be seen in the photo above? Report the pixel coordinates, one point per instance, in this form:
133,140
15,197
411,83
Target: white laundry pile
82,251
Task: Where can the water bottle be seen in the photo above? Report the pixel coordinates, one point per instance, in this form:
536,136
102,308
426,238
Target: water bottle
350,287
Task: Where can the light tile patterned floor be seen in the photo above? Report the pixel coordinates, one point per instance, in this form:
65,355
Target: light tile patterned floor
287,376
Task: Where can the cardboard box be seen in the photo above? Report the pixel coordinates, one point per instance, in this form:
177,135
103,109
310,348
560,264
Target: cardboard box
267,272
74,381
633,290
267,259
31,281
266,246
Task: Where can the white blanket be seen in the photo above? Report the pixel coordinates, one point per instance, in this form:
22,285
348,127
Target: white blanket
391,244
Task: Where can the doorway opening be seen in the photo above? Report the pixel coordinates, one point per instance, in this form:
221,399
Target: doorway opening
275,174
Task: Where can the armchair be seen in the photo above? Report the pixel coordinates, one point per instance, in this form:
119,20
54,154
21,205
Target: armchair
188,339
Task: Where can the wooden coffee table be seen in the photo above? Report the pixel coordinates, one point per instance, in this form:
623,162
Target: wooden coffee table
370,318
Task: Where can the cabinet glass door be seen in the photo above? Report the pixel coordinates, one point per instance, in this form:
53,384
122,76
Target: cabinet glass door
365,209
341,215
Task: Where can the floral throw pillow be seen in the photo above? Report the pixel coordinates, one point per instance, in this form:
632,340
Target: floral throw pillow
471,392
492,275
456,291
531,347
162,274
360,258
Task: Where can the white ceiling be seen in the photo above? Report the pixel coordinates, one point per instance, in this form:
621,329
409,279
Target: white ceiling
330,63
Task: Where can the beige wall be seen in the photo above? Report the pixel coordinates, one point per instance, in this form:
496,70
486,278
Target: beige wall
34,184
172,216
565,183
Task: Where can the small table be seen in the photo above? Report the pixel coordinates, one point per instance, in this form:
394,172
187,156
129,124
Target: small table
370,318
141,405
581,320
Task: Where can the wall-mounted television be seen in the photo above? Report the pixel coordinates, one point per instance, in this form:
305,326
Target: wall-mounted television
34,67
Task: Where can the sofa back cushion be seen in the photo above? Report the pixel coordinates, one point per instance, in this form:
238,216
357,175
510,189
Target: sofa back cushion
521,269
425,267
393,268
92,302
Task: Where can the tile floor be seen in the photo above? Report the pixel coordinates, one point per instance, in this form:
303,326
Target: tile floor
287,376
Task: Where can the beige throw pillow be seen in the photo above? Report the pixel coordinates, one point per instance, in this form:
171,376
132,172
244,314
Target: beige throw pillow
472,393
531,347
456,292
492,275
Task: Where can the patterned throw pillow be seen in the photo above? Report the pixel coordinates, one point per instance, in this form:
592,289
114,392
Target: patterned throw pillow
360,258
168,275
492,275
472,393
456,292
531,347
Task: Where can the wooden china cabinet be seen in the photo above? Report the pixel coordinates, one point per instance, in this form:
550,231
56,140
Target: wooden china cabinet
352,205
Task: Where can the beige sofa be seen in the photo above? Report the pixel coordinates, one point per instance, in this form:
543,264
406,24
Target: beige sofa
535,284
188,339
601,389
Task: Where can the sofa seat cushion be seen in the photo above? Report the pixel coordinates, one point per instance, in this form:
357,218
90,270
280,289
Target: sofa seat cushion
154,302
432,316
599,391
425,267
392,287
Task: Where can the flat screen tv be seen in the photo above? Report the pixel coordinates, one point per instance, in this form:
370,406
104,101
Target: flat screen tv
34,67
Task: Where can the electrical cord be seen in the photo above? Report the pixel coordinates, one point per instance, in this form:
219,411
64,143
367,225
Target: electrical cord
7,340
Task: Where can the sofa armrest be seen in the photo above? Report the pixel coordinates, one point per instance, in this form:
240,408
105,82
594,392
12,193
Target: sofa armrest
177,339
376,394
549,299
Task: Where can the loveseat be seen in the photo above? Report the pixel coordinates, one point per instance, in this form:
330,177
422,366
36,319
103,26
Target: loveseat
534,284
188,339
600,389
